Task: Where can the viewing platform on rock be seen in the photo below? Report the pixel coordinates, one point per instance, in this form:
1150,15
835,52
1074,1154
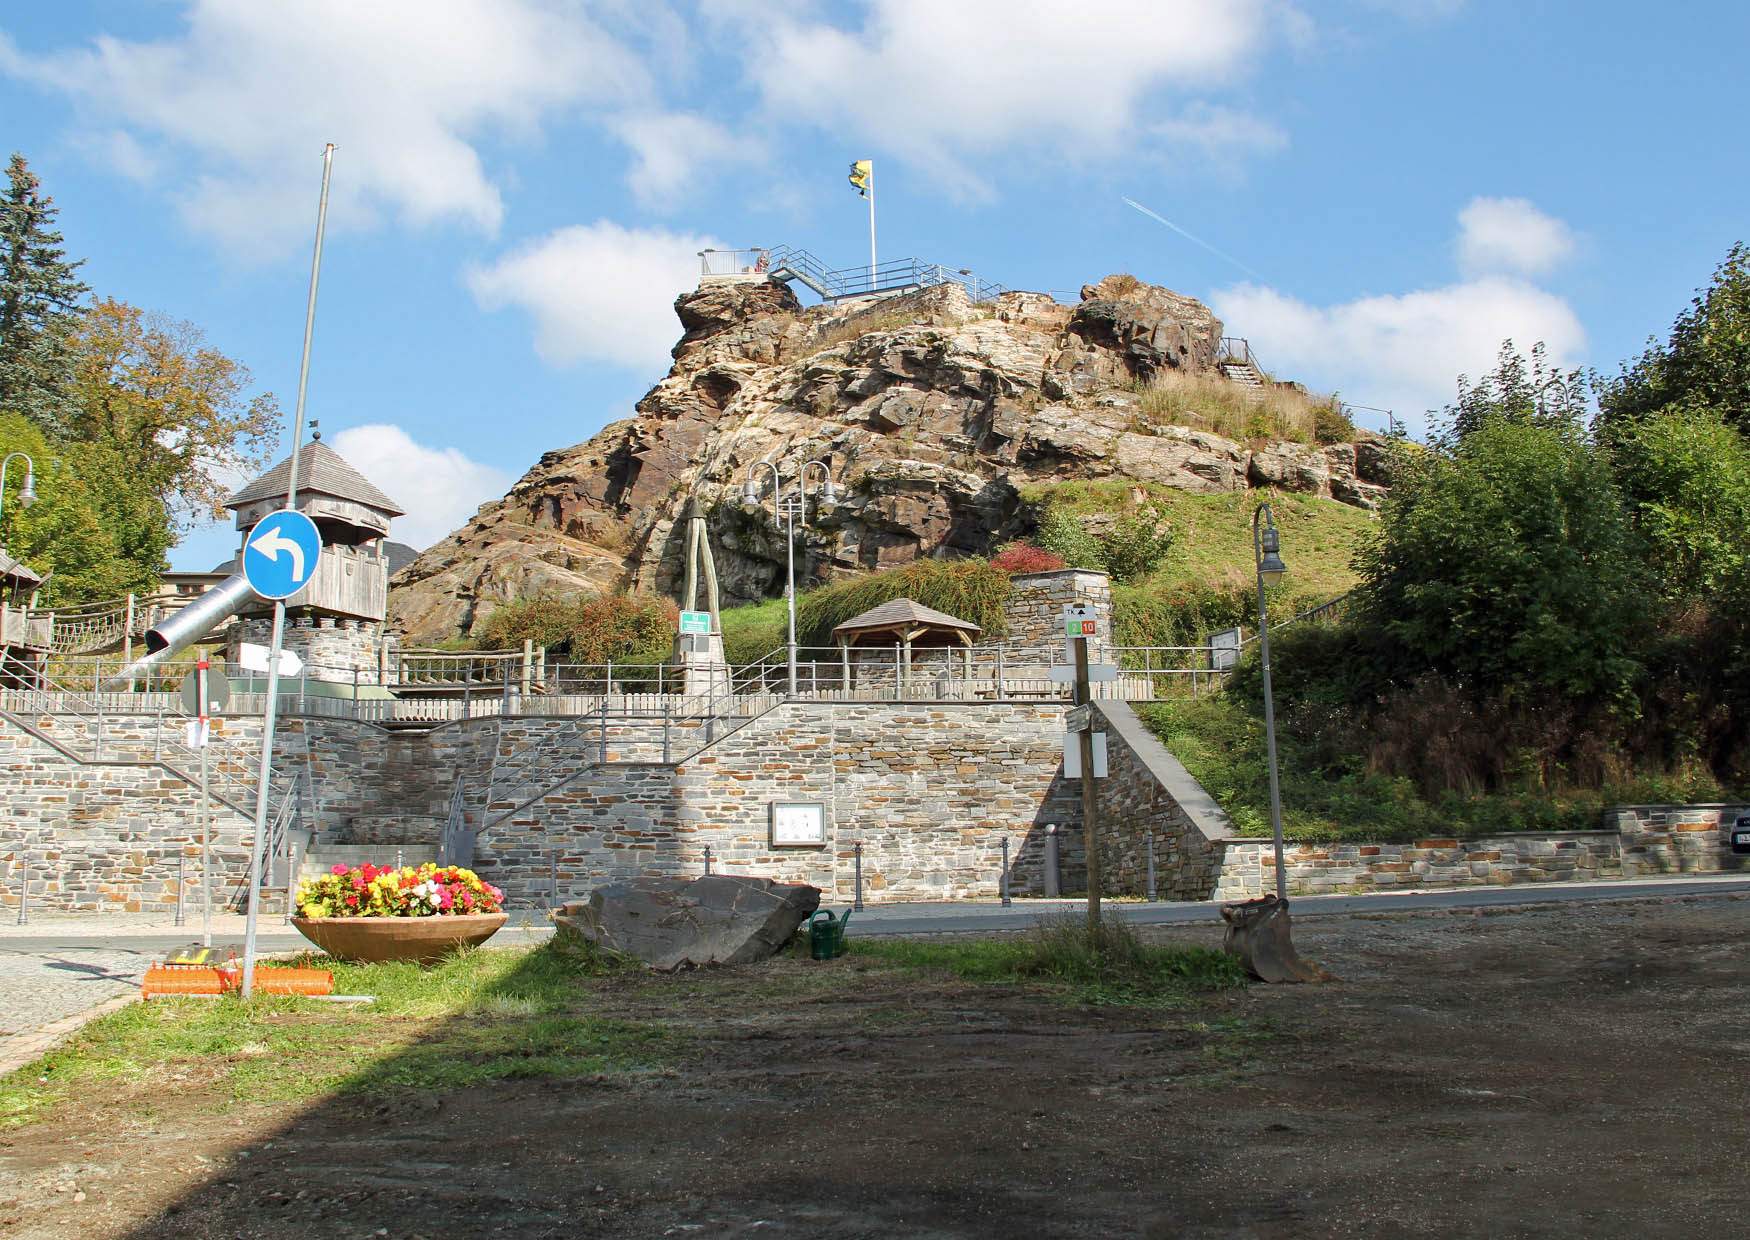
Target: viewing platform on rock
787,263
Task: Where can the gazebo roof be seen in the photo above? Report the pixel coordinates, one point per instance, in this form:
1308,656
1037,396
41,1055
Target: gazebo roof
10,567
902,613
320,469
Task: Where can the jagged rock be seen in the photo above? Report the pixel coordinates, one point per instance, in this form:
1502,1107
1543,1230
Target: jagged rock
1376,459
934,412
1292,467
672,923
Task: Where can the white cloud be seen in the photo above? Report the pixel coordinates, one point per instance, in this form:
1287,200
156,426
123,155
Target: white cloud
946,84
439,487
1401,352
597,292
241,101
674,152
1510,235
1220,133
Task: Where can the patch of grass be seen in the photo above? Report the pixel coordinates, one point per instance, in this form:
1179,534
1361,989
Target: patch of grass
480,1015
1111,966
1209,402
1221,742
754,631
838,331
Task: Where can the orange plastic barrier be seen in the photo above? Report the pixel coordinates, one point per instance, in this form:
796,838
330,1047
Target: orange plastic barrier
198,979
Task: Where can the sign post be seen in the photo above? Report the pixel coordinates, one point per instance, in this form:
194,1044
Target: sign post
1079,624
205,694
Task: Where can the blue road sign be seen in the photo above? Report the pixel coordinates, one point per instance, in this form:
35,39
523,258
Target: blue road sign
279,556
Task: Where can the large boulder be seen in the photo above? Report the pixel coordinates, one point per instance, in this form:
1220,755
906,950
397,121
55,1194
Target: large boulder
671,923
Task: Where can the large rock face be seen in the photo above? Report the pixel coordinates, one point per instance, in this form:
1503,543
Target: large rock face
933,411
672,923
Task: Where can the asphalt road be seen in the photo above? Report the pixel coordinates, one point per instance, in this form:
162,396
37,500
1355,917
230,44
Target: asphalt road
943,918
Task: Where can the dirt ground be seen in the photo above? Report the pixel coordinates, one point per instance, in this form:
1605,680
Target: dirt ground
1574,1071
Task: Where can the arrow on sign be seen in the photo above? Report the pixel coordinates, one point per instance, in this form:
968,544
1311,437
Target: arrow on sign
271,542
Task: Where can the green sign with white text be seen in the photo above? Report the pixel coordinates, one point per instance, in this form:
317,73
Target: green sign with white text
696,622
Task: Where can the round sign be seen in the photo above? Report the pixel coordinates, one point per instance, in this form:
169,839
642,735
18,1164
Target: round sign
218,693
279,556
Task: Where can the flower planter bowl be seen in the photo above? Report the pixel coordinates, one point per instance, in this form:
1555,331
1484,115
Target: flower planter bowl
372,939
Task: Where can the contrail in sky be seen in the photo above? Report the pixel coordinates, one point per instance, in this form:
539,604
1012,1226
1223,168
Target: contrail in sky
1131,202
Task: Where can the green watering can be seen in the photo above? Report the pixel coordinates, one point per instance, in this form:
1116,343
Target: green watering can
826,934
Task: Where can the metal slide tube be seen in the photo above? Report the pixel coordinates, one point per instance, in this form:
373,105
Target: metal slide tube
174,632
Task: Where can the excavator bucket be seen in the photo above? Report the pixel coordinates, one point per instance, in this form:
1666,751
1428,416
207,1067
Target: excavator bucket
1257,932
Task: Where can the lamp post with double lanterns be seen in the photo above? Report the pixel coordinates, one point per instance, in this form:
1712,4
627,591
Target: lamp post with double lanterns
791,510
1266,548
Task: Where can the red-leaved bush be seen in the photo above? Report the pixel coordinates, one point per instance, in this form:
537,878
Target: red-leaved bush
1023,557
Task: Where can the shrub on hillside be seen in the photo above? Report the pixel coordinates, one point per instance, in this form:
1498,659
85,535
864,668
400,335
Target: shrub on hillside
1135,544
1024,557
968,589
586,628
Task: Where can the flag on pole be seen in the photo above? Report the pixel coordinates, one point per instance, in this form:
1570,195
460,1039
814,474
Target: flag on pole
861,172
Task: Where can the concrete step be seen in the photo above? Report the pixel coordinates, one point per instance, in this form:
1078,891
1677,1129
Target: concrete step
321,858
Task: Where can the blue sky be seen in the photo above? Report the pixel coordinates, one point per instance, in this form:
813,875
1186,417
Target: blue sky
521,184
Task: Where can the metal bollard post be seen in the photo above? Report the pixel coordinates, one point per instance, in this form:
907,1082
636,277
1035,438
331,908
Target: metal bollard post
181,864
857,857
1052,889
292,866
707,859
398,856
1005,877
552,879
665,720
1151,866
24,893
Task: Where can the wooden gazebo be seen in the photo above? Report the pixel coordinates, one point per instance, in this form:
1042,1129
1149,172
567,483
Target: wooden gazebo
906,624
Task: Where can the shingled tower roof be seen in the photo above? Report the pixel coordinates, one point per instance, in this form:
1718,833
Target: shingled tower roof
320,469
902,613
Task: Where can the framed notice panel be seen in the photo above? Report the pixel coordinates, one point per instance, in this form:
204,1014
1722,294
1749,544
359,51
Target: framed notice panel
798,824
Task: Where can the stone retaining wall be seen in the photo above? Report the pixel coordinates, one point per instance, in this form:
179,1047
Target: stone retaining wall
1150,796
1035,612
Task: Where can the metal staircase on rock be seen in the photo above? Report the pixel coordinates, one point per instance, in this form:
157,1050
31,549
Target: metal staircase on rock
1237,362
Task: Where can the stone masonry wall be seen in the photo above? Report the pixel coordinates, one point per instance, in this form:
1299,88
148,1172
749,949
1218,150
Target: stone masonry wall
333,648
930,789
1677,839
1249,868
1150,800
1035,612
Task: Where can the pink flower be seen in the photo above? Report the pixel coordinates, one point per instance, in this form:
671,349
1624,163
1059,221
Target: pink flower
338,867
358,882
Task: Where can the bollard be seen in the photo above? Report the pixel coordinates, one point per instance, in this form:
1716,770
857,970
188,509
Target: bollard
1005,877
1052,890
552,879
181,863
707,859
293,862
857,904
398,856
24,893
1151,866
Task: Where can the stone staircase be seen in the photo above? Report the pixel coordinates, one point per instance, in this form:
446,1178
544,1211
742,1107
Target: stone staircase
1238,364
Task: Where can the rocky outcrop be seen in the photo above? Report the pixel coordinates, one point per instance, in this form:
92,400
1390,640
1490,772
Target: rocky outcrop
934,413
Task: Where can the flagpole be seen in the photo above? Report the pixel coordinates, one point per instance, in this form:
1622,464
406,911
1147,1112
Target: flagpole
871,226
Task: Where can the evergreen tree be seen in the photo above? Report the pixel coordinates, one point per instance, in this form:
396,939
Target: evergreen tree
39,303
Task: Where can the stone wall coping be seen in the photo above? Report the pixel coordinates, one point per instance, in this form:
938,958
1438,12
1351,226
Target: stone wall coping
1680,805
1059,572
1201,808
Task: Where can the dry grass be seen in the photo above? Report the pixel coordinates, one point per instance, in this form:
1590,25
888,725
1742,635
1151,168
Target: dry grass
838,331
1212,403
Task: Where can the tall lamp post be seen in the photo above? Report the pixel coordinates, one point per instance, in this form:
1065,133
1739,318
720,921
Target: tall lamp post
27,496
791,510
1265,547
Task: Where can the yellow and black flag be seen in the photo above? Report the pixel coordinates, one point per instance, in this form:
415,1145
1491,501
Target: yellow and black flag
862,172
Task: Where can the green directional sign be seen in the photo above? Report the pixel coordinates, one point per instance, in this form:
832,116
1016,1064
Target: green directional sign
698,622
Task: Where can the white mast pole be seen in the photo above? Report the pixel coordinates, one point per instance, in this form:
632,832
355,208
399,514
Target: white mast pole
277,642
871,226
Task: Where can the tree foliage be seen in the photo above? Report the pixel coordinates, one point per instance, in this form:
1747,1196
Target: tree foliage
152,390
91,532
1134,545
1525,392
1685,476
1509,564
39,303
1705,363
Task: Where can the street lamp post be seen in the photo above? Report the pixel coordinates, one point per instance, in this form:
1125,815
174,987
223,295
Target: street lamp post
27,496
790,510
1265,547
